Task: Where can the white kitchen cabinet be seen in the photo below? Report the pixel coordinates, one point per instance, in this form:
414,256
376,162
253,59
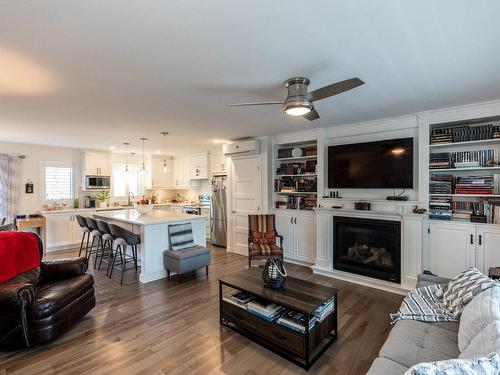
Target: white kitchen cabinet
451,248
218,163
159,178
63,230
96,163
59,230
182,174
177,209
299,234
199,166
206,212
487,241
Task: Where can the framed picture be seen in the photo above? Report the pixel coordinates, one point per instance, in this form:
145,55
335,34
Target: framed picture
29,187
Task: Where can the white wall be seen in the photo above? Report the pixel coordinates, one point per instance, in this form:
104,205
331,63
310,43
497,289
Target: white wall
32,169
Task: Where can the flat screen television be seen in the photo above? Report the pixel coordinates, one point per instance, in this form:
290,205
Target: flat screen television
371,165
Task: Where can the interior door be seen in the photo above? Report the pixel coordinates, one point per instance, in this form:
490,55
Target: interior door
487,248
452,249
246,199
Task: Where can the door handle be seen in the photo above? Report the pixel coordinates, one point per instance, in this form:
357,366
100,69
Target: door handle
291,220
472,239
480,240
295,221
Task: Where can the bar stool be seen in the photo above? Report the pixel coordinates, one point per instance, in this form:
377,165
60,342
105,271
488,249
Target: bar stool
107,244
86,232
96,234
124,238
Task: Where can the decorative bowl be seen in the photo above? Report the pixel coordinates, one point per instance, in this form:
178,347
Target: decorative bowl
143,208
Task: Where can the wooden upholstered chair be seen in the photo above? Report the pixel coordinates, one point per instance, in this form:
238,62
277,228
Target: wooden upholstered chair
262,236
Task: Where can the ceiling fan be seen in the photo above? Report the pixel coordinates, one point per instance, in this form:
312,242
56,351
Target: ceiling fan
300,102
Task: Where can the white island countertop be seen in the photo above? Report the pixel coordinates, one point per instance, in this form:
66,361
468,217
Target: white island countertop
154,217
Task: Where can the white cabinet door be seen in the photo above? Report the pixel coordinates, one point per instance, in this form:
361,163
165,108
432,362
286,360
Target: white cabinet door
60,230
199,167
159,178
218,163
305,237
104,164
487,248
451,248
91,163
285,227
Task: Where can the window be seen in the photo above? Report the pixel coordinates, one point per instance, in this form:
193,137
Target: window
58,181
125,182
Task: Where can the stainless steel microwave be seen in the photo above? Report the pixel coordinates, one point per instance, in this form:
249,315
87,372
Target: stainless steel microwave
97,182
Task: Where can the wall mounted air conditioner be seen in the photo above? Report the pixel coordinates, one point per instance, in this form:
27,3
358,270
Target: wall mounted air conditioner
251,147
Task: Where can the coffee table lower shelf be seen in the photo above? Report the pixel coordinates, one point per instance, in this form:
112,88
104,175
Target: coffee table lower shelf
302,349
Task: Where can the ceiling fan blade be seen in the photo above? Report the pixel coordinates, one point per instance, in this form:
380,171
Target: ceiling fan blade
312,115
256,103
335,88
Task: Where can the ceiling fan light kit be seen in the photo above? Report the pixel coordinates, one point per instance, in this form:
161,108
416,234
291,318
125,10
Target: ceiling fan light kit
300,102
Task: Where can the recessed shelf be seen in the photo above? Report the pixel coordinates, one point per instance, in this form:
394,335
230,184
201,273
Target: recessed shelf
297,175
474,143
297,158
464,169
369,200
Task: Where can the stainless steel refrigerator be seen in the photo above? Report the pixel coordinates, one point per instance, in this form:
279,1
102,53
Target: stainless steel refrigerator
218,217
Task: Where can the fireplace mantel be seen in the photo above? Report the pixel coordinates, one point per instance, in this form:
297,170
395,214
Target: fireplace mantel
411,247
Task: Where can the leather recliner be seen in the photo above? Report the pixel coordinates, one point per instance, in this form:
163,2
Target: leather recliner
39,305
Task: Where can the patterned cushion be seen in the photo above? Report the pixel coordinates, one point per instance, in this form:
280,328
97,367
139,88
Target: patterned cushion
263,238
261,223
463,287
264,249
477,366
181,236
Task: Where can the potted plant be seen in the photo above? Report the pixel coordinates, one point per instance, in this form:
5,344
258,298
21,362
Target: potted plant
102,197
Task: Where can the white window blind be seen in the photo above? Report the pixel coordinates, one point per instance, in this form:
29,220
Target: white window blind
58,182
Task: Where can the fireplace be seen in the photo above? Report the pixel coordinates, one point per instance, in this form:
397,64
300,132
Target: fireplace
367,247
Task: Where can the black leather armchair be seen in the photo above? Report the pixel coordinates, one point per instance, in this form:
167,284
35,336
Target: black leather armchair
39,305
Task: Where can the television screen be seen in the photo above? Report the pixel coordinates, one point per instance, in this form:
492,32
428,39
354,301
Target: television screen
371,165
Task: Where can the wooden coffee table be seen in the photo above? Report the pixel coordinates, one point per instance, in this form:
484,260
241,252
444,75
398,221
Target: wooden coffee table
299,295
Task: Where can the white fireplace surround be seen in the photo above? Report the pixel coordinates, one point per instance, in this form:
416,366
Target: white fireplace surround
411,247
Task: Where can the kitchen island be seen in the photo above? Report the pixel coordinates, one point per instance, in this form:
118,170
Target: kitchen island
153,229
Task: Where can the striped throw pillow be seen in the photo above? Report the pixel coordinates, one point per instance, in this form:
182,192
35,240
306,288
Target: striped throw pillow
181,236
463,287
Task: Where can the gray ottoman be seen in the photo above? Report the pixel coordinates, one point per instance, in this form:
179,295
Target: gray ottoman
186,260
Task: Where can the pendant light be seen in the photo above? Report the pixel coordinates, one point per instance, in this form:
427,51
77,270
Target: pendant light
164,164
126,156
143,168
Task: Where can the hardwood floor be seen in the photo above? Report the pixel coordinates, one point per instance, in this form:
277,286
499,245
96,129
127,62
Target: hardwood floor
169,328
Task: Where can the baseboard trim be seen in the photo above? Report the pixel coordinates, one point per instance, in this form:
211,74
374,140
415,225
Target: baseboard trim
361,280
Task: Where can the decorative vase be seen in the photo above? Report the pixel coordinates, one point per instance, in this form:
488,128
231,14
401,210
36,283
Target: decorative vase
274,273
103,205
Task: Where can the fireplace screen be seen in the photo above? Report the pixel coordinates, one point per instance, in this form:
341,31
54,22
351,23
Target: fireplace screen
368,247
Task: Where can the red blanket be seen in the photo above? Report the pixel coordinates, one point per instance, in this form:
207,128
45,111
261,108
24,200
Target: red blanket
18,253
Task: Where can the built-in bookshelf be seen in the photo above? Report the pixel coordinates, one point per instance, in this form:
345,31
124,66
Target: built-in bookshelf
296,176
464,171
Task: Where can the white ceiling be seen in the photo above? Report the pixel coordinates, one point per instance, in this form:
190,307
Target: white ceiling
107,72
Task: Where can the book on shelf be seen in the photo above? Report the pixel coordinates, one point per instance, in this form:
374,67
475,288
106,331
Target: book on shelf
464,133
324,309
264,309
462,159
296,321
